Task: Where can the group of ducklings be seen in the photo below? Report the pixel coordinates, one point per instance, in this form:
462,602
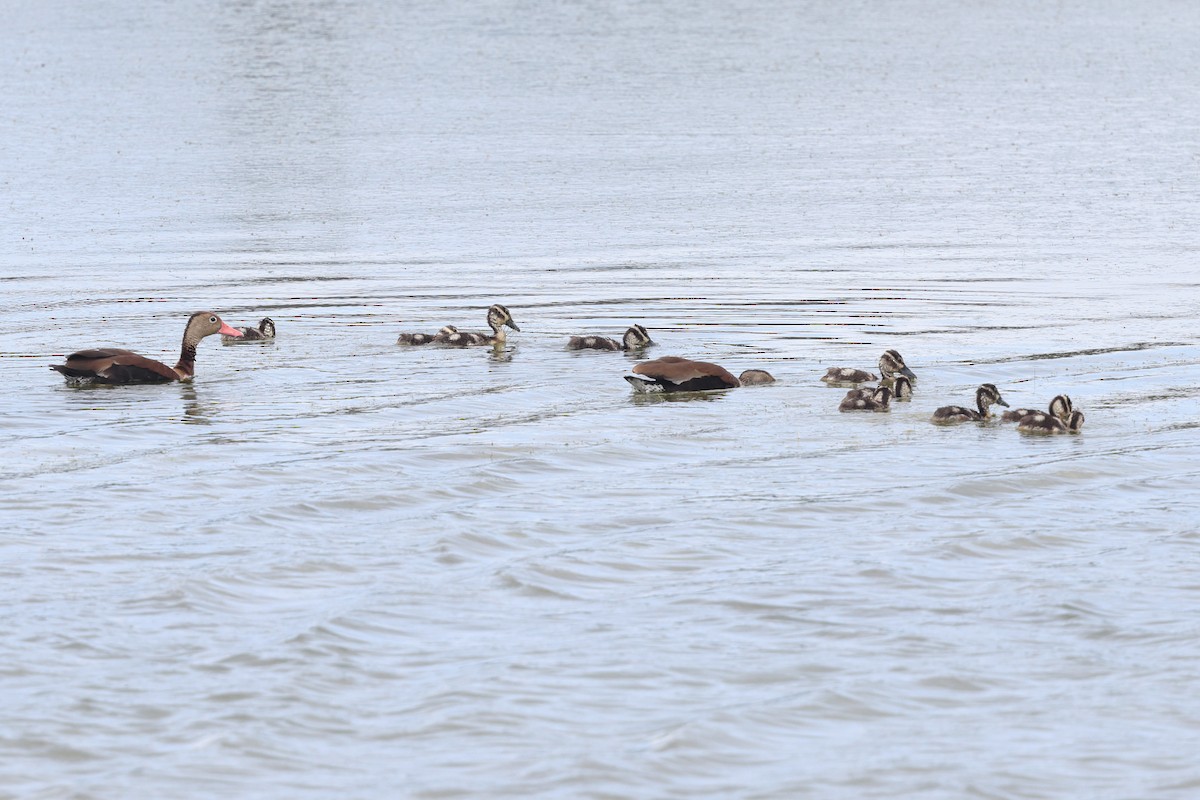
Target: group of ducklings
896,383
674,374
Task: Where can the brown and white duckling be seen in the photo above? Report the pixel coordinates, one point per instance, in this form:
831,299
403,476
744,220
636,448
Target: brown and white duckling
265,330
985,396
426,338
1046,423
891,363
878,400
1060,407
901,387
109,365
675,374
636,337
497,318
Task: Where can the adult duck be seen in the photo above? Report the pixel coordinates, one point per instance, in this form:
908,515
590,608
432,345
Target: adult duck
109,365
675,374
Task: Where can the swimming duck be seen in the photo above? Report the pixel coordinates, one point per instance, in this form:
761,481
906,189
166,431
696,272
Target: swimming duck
901,387
265,330
635,338
1060,407
877,400
985,396
1047,423
497,317
675,374
426,338
109,365
891,363
755,377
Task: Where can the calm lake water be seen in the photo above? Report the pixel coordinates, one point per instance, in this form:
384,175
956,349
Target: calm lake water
334,567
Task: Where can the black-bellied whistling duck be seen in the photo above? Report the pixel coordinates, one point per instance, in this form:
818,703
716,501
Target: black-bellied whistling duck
497,317
891,363
675,374
1060,407
265,330
113,366
636,337
985,396
1046,423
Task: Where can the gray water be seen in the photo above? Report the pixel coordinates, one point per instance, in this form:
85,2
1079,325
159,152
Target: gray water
334,567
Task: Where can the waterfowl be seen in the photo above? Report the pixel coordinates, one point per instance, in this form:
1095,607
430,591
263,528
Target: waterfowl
426,338
265,330
1060,407
1047,423
901,389
635,338
497,318
755,377
985,396
109,365
891,363
877,400
675,374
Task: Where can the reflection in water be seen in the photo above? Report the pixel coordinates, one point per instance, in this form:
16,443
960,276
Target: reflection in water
195,411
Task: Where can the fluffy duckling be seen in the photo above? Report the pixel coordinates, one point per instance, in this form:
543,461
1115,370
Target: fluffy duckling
426,338
878,400
1038,422
265,330
891,363
986,396
497,318
675,374
635,338
755,377
901,387
1059,407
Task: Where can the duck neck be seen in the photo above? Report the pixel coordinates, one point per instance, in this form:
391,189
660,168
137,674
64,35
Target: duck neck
187,357
983,401
498,335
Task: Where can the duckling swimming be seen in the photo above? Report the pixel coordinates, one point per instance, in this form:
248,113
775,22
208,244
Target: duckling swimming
497,317
1060,407
426,338
1045,423
901,387
891,363
265,330
636,337
878,400
985,396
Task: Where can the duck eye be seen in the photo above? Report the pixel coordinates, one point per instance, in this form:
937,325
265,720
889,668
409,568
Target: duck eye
212,320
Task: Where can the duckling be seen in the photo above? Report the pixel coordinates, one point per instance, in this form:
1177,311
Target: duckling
675,374
635,338
426,338
901,387
891,363
985,396
1060,407
755,377
265,330
497,317
878,400
1038,422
